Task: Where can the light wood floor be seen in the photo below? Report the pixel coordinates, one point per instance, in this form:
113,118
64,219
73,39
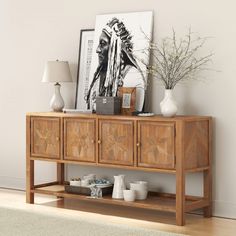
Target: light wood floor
195,225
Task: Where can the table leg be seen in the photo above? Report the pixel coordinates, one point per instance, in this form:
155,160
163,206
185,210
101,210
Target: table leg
29,181
180,198
208,192
180,174
61,173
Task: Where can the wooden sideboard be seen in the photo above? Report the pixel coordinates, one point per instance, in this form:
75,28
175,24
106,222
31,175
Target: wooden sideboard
167,145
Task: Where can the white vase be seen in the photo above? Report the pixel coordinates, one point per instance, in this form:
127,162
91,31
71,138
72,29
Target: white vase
168,104
119,186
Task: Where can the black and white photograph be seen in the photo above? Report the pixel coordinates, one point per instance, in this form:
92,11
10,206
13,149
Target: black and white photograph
118,43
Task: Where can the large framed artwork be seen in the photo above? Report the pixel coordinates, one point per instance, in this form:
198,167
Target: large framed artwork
119,42
84,63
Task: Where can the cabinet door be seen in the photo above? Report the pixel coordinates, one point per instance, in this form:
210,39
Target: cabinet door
45,137
79,139
156,144
116,142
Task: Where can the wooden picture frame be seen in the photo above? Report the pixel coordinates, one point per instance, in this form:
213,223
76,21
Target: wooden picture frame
84,64
128,100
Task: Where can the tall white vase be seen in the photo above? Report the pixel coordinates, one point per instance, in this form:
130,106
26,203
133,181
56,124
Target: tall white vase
168,104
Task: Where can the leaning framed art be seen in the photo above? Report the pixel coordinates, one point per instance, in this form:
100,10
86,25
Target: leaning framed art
117,55
84,64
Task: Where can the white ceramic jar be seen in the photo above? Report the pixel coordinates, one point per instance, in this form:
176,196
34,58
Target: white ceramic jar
129,195
141,190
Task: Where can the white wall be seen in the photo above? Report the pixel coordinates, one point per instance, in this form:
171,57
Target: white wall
32,32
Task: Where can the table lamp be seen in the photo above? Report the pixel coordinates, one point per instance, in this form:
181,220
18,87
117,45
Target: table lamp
57,71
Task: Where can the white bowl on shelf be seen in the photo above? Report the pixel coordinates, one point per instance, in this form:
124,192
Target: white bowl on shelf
129,195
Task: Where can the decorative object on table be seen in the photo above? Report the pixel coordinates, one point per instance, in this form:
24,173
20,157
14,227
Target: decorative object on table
106,190
89,183
141,189
91,177
129,195
119,186
128,99
85,182
96,192
168,105
75,182
102,183
57,71
146,114
108,105
67,110
84,63
118,41
176,61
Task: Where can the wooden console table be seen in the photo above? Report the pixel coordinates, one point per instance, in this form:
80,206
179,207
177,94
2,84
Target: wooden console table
167,145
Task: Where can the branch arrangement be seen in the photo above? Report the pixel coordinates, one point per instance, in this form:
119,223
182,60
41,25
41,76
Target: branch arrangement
176,60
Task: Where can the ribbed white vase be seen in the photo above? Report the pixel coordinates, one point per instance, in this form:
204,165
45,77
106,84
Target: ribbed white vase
168,104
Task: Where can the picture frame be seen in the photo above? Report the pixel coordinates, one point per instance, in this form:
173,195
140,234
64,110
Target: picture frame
117,56
128,100
84,63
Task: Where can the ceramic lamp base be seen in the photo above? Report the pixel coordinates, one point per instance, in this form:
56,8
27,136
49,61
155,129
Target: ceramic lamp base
57,102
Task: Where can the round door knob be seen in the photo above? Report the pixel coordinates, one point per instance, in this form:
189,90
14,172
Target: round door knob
57,138
92,141
99,141
138,144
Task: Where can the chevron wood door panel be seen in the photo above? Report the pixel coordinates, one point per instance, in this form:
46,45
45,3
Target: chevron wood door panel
156,144
116,142
79,139
45,137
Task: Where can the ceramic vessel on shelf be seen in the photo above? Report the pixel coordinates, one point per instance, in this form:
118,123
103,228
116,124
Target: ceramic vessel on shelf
168,104
129,195
119,186
140,189
142,183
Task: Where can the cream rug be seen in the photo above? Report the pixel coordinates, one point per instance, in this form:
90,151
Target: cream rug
16,222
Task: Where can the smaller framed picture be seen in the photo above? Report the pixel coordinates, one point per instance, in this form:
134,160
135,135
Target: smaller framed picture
84,63
128,99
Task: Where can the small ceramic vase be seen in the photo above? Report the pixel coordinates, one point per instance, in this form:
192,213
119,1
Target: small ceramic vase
168,104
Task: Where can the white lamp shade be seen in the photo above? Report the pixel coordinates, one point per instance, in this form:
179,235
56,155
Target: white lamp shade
57,71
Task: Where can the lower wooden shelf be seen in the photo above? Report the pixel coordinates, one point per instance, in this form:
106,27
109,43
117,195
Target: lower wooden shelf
155,201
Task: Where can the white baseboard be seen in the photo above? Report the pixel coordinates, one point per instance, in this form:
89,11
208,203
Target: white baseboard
18,183
12,182
224,209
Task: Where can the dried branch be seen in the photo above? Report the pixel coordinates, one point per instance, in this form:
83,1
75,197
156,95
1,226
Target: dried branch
176,60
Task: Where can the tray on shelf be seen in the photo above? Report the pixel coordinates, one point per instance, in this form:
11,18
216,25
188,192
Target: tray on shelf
106,190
